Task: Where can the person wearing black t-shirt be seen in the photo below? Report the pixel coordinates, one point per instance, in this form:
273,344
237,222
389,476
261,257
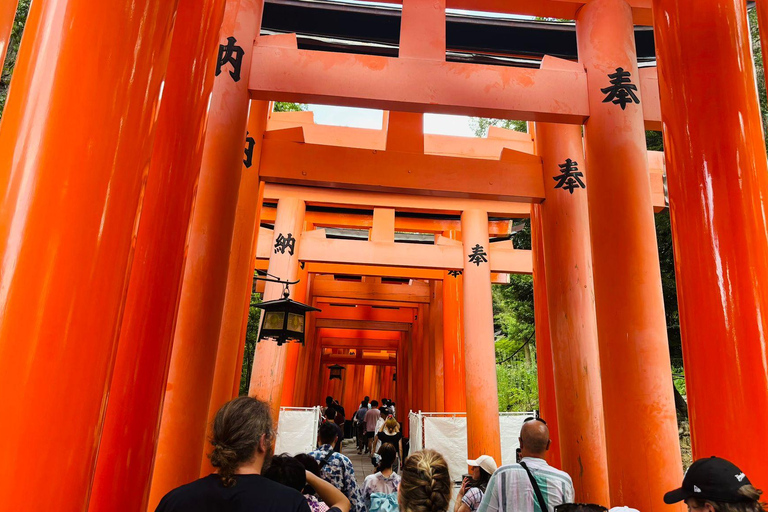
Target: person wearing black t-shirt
243,439
390,433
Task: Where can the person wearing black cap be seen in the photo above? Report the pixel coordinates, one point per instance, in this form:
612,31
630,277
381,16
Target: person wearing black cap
716,485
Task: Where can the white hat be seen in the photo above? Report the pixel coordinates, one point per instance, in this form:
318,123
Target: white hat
485,462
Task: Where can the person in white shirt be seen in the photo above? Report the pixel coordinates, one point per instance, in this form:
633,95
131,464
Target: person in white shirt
511,486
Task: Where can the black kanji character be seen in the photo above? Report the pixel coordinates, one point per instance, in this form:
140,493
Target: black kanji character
455,273
230,53
570,177
285,243
622,90
478,255
250,142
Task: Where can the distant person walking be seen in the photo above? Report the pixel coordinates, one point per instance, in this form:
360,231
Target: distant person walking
532,485
371,419
716,485
335,467
359,420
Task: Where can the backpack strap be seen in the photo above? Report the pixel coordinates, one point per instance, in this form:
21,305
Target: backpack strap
539,497
326,458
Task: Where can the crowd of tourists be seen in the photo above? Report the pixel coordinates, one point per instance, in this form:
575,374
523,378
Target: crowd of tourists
250,478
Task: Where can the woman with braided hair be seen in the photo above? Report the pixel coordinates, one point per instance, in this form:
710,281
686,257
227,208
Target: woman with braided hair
425,484
243,441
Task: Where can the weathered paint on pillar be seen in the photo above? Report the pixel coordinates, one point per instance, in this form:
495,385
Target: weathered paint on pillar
190,378
483,436
269,358
239,279
640,420
544,364
571,310
718,194
7,15
126,452
66,239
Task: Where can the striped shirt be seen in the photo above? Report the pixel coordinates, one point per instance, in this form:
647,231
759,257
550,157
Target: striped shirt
510,488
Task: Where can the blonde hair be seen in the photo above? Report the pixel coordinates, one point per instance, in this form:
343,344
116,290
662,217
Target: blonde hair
750,504
425,484
391,425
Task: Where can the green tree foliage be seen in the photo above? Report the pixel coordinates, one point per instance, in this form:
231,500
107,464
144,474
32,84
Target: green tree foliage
251,334
289,107
22,10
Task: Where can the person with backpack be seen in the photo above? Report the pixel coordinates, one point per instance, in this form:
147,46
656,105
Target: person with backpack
531,485
335,467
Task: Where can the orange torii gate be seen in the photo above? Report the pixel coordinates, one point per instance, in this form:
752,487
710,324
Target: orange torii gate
111,289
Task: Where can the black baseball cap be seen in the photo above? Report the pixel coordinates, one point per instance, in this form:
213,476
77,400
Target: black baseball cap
713,479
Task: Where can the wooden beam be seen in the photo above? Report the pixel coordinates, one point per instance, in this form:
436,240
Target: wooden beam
360,343
371,325
308,76
401,202
562,9
358,333
360,252
367,302
502,258
515,177
365,314
378,271
416,292
361,361
402,224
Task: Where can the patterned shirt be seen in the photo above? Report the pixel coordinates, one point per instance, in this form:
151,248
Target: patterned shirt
338,470
379,483
511,489
472,498
315,504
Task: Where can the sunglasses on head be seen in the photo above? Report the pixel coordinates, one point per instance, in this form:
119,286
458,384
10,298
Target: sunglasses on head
531,418
580,507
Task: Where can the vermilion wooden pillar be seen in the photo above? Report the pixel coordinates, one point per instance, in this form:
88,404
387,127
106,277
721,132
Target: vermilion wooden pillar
7,14
66,235
571,308
126,452
269,359
239,279
190,378
453,349
238,376
718,193
640,420
293,350
483,434
544,365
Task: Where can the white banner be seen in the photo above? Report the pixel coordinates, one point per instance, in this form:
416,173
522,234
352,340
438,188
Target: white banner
448,436
510,424
297,430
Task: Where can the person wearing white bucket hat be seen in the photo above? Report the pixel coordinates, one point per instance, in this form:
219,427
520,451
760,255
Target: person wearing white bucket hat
472,490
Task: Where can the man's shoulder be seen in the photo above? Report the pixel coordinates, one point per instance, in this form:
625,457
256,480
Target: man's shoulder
540,466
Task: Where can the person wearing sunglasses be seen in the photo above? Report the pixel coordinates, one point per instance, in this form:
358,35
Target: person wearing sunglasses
531,485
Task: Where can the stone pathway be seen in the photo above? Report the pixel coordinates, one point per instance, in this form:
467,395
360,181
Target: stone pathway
361,463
